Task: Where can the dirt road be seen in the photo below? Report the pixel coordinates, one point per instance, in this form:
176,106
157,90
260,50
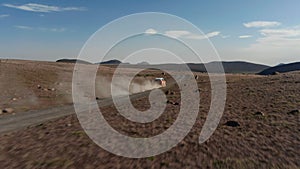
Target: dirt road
17,121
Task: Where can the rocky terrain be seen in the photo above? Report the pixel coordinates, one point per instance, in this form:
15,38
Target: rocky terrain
259,127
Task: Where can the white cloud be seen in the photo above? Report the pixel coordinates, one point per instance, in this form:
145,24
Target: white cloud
23,27
275,45
188,35
4,16
280,32
177,33
225,36
280,38
40,28
53,29
261,24
184,34
245,36
33,7
212,34
278,42
151,31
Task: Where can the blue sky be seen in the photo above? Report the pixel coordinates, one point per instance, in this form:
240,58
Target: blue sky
265,32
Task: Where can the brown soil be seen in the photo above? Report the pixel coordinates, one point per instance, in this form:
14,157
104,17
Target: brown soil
34,85
270,140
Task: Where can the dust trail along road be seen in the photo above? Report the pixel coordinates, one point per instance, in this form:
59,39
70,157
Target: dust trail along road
23,119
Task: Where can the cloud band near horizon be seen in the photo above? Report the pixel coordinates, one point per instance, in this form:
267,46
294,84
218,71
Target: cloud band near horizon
33,7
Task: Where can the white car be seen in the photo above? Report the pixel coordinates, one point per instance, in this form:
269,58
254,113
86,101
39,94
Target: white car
161,81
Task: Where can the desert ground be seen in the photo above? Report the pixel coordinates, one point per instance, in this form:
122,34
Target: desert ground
265,109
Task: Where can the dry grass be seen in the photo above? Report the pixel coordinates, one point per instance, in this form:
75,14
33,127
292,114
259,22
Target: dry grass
269,141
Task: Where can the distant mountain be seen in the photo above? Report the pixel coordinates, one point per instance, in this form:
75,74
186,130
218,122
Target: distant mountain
111,62
280,64
229,67
143,63
73,61
243,67
282,68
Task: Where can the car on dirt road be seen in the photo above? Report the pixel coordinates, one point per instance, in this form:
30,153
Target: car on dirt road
161,81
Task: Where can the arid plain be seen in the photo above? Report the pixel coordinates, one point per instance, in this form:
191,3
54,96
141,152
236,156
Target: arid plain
259,127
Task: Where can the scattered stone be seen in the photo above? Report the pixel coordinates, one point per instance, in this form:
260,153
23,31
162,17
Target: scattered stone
171,102
172,93
275,73
196,77
294,112
57,83
97,98
163,73
259,113
175,103
232,123
40,125
49,89
183,143
39,86
14,99
69,124
8,110
167,92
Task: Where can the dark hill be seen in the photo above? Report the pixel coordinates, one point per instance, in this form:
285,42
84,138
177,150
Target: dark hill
111,62
73,61
230,67
282,68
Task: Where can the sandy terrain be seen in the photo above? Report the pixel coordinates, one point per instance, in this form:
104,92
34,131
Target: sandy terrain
266,140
